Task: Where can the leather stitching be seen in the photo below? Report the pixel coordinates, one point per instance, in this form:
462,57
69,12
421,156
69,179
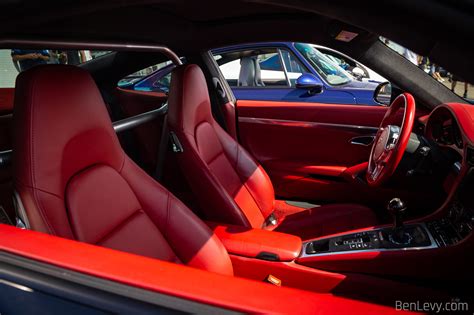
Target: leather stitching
168,204
32,159
119,226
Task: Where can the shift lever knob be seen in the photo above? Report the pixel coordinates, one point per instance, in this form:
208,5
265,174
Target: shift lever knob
397,208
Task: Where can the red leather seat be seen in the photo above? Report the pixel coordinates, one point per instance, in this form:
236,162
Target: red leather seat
229,184
75,181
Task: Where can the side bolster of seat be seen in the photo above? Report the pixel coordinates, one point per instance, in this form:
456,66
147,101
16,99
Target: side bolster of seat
251,173
44,211
214,200
201,248
35,220
189,107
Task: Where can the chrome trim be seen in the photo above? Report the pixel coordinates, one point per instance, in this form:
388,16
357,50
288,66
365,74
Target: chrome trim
296,123
457,166
356,142
16,285
132,122
115,46
432,246
22,221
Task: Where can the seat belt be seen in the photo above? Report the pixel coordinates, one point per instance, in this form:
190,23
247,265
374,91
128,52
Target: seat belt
162,149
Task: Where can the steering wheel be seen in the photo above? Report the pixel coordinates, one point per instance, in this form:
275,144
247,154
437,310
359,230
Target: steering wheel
391,141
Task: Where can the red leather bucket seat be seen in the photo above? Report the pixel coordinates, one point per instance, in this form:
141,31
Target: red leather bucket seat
75,181
231,187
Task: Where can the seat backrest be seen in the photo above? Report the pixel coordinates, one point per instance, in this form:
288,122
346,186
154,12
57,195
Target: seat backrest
250,73
75,181
230,186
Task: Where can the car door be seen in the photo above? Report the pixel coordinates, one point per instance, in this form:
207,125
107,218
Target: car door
314,149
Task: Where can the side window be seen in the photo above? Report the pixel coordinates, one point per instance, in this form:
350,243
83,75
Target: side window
271,68
260,68
13,61
156,78
293,66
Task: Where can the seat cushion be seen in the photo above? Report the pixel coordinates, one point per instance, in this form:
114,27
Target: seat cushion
324,220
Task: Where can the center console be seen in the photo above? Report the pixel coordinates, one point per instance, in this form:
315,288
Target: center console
416,236
398,237
446,231
416,249
454,227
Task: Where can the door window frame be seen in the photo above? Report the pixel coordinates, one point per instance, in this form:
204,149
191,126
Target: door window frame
280,58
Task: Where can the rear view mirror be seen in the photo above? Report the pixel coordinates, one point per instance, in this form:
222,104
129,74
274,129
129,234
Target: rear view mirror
383,93
310,82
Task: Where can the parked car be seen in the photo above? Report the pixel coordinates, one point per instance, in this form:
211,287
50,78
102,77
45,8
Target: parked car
278,71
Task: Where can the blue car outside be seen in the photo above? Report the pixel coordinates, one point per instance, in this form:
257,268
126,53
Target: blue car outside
344,90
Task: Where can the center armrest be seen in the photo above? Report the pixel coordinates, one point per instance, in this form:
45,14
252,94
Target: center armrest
257,243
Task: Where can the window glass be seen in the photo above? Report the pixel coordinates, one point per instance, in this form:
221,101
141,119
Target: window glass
327,69
259,68
453,82
13,61
271,68
293,67
156,78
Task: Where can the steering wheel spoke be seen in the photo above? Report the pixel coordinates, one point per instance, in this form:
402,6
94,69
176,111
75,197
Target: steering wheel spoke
391,140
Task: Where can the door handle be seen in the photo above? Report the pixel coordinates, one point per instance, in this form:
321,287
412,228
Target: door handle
363,140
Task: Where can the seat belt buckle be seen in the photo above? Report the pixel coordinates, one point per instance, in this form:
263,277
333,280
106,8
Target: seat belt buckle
273,280
270,221
175,144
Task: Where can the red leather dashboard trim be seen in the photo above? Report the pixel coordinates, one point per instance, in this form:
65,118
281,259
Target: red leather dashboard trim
177,280
248,242
464,114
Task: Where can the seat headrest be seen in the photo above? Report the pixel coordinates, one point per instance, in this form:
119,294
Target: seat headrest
61,128
250,73
189,103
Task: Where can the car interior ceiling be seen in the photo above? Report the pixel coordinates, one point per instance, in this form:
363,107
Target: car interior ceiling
187,26
197,34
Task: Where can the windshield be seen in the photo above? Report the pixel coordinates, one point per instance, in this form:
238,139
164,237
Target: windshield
450,80
332,73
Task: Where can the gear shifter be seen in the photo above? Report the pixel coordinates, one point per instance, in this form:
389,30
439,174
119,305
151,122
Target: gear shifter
397,209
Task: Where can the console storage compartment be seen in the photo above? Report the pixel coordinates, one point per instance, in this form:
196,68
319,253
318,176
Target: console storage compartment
258,243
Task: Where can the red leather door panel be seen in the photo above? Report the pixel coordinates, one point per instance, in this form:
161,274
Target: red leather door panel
306,147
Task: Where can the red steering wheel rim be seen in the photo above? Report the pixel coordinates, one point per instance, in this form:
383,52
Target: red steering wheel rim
385,157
